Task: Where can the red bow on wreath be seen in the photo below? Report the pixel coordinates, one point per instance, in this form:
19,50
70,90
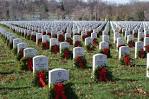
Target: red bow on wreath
55,49
80,61
77,44
84,36
141,53
66,54
69,40
147,48
106,51
41,79
59,90
95,42
61,38
147,35
46,45
127,60
39,41
102,74
30,64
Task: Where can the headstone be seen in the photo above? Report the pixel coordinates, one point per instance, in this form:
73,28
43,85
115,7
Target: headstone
93,35
78,51
146,44
40,63
103,45
21,46
147,68
29,52
119,42
105,38
123,51
116,35
16,41
138,47
45,38
88,41
76,38
58,75
140,36
99,60
129,38
67,35
127,33
38,38
53,41
63,45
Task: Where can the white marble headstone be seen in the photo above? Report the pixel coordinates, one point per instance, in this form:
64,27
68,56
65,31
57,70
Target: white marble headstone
147,67
53,41
138,46
21,46
88,41
119,42
78,51
99,60
123,51
105,38
103,45
40,63
29,52
16,41
94,35
58,75
76,38
45,38
63,45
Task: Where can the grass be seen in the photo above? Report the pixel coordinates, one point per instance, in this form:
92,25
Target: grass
129,82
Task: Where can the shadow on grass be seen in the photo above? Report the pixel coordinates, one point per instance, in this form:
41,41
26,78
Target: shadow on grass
126,79
6,73
6,90
140,65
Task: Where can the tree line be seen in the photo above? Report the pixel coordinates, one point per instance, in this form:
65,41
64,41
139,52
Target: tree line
72,9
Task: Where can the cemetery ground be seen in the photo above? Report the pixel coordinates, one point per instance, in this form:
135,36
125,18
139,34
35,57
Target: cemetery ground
128,82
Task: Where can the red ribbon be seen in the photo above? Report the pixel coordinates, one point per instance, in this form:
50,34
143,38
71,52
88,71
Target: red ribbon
147,48
95,42
43,33
141,53
84,36
59,90
80,61
131,43
77,44
45,45
106,51
102,74
55,49
69,40
41,79
127,60
147,35
66,54
49,34
30,64
61,38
